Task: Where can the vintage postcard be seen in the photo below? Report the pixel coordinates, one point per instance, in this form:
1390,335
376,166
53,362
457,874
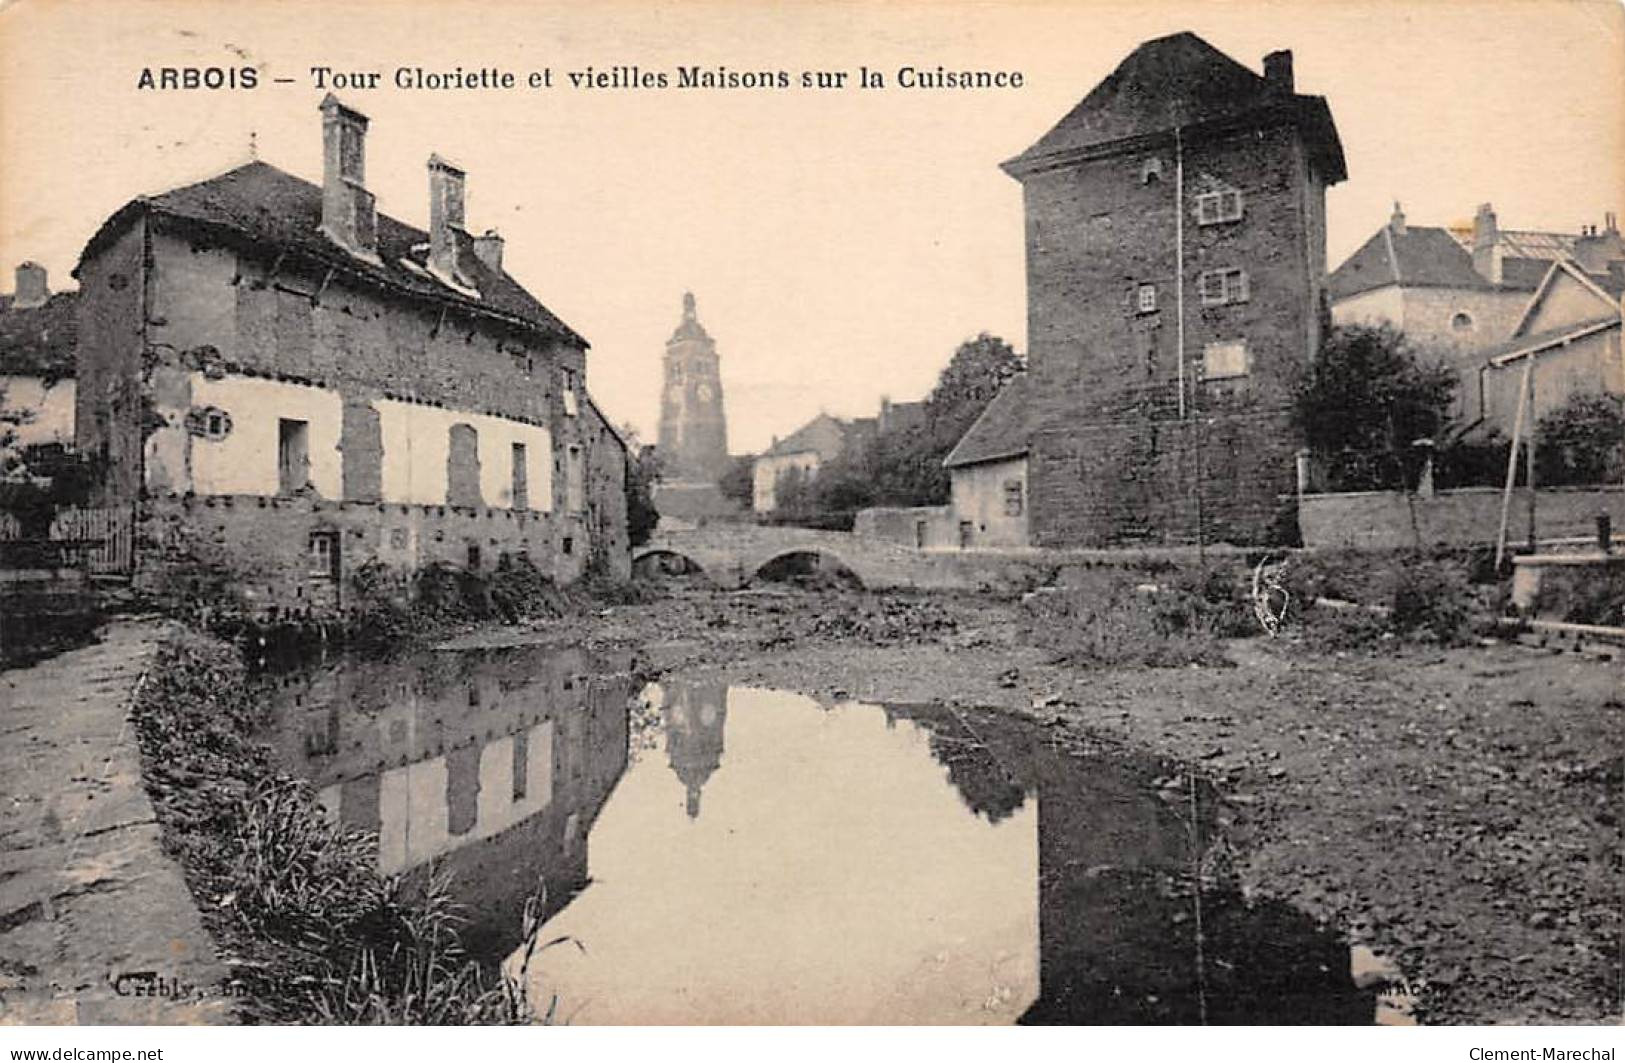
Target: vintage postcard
828,514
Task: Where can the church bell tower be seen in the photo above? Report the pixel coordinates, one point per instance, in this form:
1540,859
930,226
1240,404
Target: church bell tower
693,431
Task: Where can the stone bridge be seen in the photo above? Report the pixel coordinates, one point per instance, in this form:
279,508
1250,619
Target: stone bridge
732,555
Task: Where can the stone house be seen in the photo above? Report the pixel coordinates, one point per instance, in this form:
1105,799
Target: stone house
1459,292
38,331
1175,235
821,440
987,471
288,384
1570,329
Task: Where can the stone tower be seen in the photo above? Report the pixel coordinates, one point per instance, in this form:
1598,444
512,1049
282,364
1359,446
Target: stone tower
693,430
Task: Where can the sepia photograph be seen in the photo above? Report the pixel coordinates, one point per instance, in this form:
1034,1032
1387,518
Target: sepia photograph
855,513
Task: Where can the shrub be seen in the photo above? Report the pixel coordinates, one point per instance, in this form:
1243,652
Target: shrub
1104,621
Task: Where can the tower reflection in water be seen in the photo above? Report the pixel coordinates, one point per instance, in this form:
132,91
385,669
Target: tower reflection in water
494,764
825,828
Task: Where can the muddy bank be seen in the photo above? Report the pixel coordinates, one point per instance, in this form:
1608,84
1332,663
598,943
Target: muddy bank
1454,808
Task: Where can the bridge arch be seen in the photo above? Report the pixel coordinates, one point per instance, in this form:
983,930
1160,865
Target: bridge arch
803,562
666,561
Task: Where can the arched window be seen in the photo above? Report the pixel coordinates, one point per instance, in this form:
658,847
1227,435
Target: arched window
1150,170
1462,322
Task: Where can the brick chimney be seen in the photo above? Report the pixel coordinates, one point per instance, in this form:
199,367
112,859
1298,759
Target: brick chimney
1278,71
1396,222
488,249
349,211
1486,251
446,232
32,289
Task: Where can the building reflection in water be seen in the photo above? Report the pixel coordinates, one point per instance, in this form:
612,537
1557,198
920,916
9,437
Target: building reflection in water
494,764
695,716
1138,920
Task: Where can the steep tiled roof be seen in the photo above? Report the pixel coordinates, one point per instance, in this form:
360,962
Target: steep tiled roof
1180,81
263,206
39,340
1417,257
1000,432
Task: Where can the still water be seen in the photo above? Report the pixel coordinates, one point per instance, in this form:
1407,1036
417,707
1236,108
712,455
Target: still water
723,854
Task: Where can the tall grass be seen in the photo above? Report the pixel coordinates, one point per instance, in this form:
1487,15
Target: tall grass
1111,617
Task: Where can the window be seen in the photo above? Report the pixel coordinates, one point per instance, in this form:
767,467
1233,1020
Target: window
1215,207
568,547
324,554
570,407
1012,498
521,478
521,764
1462,322
1150,171
574,481
473,556
1220,286
293,456
966,530
1227,359
399,539
1145,298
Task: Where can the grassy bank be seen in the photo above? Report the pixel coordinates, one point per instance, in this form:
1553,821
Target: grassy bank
295,902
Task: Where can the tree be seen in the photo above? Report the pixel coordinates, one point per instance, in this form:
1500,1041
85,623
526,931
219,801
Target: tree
1581,442
738,481
904,467
1369,397
642,473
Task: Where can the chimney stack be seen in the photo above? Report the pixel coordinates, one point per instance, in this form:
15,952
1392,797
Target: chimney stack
488,249
32,287
1278,70
1397,221
349,211
446,232
1486,250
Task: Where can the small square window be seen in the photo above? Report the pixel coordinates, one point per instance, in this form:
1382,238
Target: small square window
1212,208
1220,286
1145,298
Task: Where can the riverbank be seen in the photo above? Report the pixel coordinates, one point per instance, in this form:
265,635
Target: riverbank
1455,808
96,924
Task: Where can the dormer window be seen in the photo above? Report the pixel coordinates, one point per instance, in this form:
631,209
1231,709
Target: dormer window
1213,208
1462,322
1150,171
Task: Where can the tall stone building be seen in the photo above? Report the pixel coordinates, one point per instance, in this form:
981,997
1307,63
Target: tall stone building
1175,228
693,447
693,428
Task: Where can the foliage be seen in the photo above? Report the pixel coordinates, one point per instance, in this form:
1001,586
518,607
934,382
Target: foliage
324,936
1109,618
1369,397
1582,442
1418,596
903,466
738,482
642,473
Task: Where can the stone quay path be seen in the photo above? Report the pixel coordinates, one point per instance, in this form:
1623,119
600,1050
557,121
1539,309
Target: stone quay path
96,923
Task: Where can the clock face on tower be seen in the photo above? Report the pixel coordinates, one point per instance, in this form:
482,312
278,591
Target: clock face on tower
704,392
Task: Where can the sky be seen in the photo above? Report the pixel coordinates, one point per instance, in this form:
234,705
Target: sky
840,242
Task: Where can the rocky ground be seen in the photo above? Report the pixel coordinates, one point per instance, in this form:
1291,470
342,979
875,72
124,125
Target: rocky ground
1455,809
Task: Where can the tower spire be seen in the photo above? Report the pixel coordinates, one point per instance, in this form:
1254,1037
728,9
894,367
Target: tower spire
688,307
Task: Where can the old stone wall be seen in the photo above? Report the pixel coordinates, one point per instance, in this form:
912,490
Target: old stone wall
1468,515
265,544
1111,461
422,436
903,525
